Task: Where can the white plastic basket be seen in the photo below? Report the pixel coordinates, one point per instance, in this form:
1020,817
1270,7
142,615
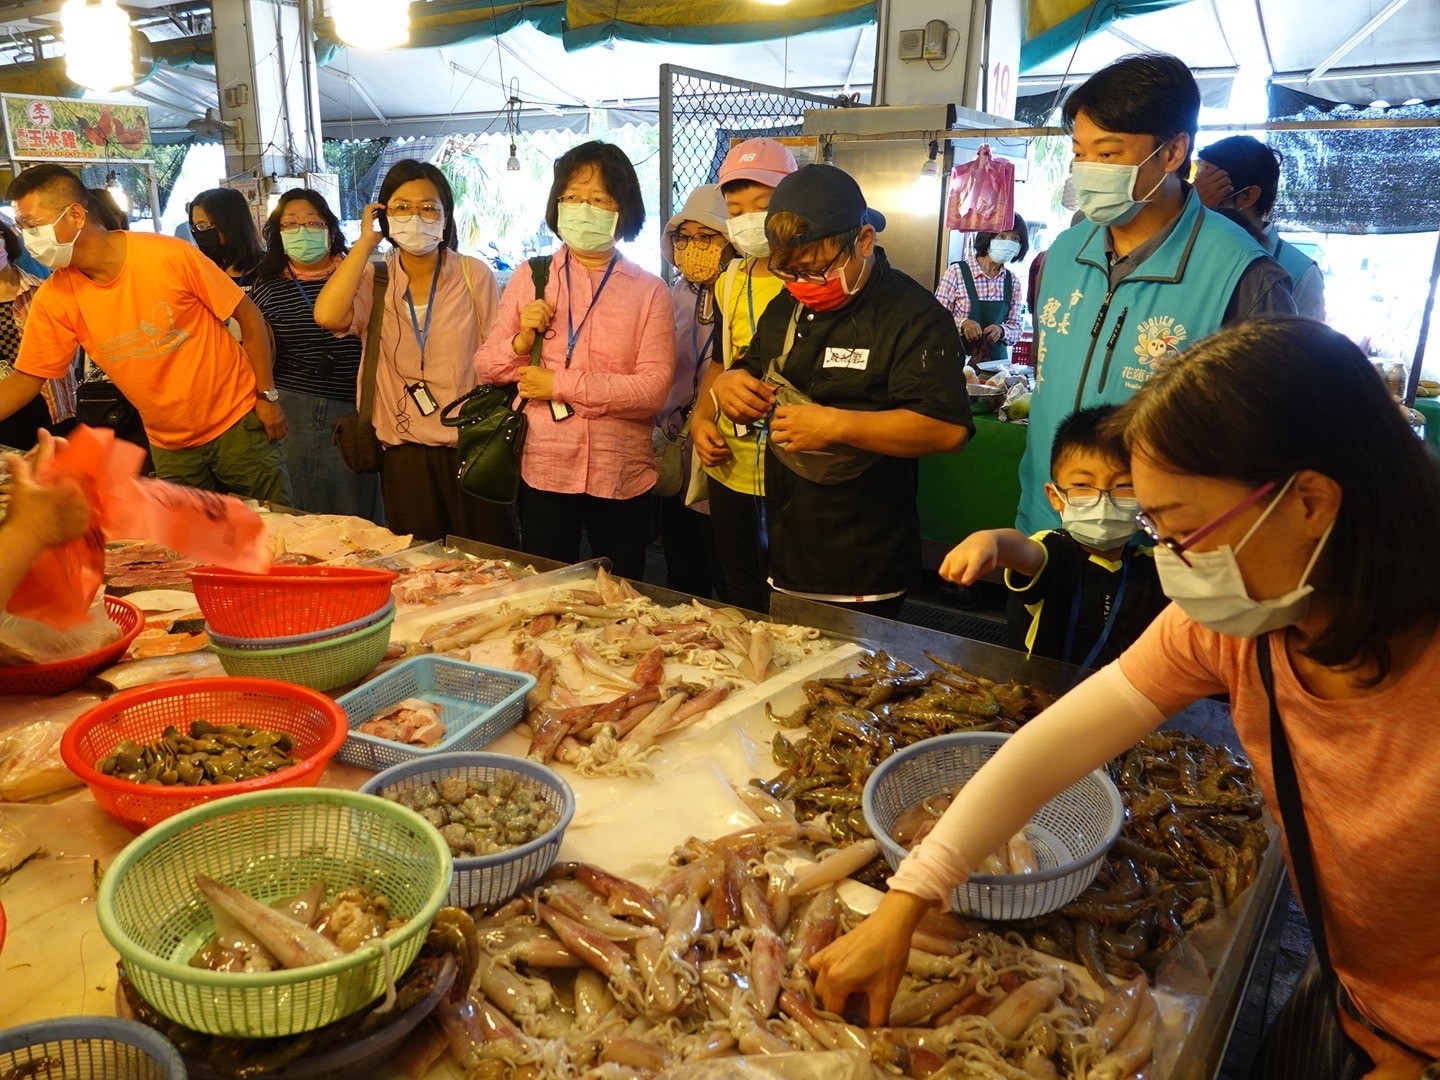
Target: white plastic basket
478,705
487,880
1071,833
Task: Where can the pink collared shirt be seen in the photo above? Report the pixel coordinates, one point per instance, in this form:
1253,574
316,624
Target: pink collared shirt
617,379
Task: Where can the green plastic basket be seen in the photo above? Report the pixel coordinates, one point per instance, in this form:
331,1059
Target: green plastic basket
270,845
321,666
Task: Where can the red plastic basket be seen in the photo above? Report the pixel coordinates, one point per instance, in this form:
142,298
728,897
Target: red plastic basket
60,675
289,600
317,724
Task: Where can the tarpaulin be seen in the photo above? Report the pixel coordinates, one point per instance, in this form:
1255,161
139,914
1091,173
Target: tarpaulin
1054,27
1367,180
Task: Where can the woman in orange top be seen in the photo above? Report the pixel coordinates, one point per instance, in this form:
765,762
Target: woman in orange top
1285,494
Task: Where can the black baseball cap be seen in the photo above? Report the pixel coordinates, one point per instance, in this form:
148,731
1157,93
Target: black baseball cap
827,198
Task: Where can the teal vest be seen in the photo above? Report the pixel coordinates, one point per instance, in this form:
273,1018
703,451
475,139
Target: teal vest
1292,260
1093,347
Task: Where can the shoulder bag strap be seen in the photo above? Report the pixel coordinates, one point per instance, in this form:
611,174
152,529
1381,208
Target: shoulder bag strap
372,342
540,275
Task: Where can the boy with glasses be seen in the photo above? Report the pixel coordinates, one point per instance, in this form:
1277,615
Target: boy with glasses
1084,592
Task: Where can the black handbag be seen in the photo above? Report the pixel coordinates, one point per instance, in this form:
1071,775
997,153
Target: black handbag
354,435
491,434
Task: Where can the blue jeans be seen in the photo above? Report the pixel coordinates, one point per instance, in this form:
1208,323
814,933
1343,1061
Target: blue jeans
322,483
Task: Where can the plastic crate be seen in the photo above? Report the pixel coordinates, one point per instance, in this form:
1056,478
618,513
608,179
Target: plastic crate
323,665
487,880
479,705
1071,833
89,1048
59,676
270,845
288,600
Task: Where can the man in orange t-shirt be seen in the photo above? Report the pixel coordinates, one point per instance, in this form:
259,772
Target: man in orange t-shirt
150,311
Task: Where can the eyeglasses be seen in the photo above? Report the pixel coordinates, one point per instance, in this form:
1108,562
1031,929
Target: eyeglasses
599,202
402,212
293,226
812,277
1083,496
681,241
1179,547
201,226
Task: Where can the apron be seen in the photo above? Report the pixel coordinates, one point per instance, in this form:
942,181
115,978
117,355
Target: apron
990,312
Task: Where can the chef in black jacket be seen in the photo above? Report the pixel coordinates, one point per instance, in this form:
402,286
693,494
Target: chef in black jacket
856,371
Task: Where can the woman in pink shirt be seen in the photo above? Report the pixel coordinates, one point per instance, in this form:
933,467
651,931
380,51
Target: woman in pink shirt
606,363
1295,519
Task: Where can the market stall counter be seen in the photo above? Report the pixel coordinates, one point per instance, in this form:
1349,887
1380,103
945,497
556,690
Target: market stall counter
688,784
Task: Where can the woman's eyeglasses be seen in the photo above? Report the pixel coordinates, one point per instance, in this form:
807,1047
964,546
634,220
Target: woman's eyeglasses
293,226
201,226
1179,547
402,212
681,241
1083,496
599,202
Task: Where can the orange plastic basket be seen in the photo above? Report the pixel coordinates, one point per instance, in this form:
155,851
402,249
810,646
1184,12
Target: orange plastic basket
60,675
316,723
289,600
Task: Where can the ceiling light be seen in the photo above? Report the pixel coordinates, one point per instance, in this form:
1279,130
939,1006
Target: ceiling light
513,164
117,193
773,3
91,33
373,24
932,162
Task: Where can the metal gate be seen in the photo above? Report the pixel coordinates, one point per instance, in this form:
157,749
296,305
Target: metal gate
700,112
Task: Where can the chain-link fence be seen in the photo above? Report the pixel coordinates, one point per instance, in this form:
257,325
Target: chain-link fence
699,114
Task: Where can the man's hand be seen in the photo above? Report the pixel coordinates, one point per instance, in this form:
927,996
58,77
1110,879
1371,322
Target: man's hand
1212,184
870,959
273,417
994,333
709,443
970,330
49,513
742,397
805,427
536,383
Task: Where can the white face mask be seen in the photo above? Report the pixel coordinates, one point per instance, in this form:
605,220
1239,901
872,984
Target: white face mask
1101,526
1105,193
1004,251
747,232
41,243
1211,590
417,236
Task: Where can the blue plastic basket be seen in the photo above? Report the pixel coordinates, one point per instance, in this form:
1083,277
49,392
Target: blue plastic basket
89,1048
478,705
487,880
1071,833
227,642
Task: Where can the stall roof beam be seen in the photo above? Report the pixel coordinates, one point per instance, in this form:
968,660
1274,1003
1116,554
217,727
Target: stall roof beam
1345,47
541,105
1339,74
360,91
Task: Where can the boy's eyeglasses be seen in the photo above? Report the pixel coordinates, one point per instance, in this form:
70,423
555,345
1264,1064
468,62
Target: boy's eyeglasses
1179,547
681,241
1083,496
403,212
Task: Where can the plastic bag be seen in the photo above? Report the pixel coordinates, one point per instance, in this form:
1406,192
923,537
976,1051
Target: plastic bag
30,763
982,195
27,641
200,525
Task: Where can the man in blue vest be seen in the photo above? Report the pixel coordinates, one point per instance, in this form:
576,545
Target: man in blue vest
1148,274
1242,174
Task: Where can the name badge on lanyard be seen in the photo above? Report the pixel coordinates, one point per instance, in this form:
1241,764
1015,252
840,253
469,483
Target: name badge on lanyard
559,410
418,391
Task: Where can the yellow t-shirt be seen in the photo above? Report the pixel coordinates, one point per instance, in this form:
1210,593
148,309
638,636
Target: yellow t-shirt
158,330
736,295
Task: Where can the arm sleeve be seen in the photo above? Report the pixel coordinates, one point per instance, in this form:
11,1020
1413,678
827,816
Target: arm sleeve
1263,289
952,295
360,305
1309,294
495,360
1100,718
1018,583
48,344
208,282
639,393
486,298
1014,324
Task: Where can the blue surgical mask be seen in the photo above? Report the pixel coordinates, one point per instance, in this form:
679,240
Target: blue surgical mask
1004,251
587,228
1106,193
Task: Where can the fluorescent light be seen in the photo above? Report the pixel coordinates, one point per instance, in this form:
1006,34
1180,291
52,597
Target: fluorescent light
373,24
93,57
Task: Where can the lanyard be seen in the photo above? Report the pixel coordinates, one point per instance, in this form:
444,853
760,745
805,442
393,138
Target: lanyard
750,295
422,336
1109,622
695,344
574,334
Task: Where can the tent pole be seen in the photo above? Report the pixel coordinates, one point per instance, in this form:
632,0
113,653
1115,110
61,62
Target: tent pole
1424,327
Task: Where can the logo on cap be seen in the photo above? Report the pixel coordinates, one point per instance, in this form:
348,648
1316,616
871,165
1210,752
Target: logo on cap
748,157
